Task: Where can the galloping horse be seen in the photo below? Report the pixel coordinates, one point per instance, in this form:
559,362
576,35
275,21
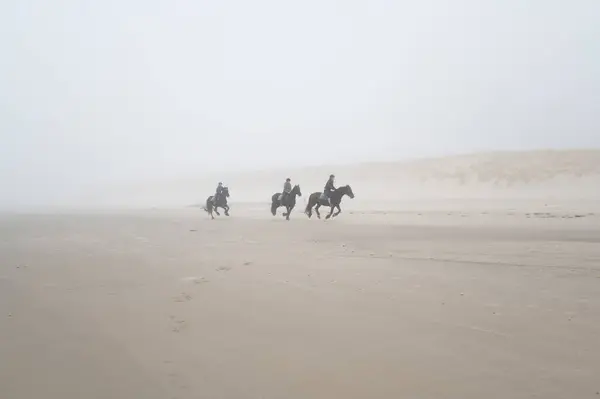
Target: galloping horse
336,199
212,204
289,201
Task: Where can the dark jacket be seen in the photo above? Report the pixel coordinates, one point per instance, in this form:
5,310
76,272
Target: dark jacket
219,190
329,187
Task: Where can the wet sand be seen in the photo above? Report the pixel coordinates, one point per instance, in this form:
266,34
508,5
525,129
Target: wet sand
375,304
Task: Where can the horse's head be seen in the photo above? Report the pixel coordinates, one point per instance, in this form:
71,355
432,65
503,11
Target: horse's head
348,191
296,190
226,192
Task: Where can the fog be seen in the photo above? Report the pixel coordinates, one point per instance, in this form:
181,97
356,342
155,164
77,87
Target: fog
102,93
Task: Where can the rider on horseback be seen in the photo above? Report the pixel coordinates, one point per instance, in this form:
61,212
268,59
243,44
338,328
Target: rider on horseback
219,192
329,189
287,189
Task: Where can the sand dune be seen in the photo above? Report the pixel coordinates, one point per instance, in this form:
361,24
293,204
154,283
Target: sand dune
535,175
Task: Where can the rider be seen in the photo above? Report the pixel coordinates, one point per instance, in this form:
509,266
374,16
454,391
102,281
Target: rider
287,189
329,188
219,192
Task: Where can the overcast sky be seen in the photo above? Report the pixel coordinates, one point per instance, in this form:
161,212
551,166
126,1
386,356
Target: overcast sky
100,91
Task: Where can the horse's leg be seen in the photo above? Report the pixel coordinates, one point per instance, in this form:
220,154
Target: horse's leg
330,212
317,210
287,213
339,210
285,207
226,210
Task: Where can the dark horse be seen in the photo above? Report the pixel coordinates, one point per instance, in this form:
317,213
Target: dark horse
289,201
336,199
213,203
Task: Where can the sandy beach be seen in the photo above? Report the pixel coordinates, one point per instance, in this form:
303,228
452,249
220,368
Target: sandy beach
495,302
463,138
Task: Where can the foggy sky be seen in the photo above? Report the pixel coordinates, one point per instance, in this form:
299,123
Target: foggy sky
99,92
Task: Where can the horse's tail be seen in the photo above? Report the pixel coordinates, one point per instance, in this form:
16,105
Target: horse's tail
209,206
274,203
310,204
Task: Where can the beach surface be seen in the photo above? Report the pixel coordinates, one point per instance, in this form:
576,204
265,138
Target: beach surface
464,277
466,300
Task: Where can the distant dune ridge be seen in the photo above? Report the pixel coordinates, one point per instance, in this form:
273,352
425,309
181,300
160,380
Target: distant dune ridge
537,175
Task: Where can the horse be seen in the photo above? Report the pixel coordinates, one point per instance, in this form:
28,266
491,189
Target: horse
289,202
212,205
335,198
